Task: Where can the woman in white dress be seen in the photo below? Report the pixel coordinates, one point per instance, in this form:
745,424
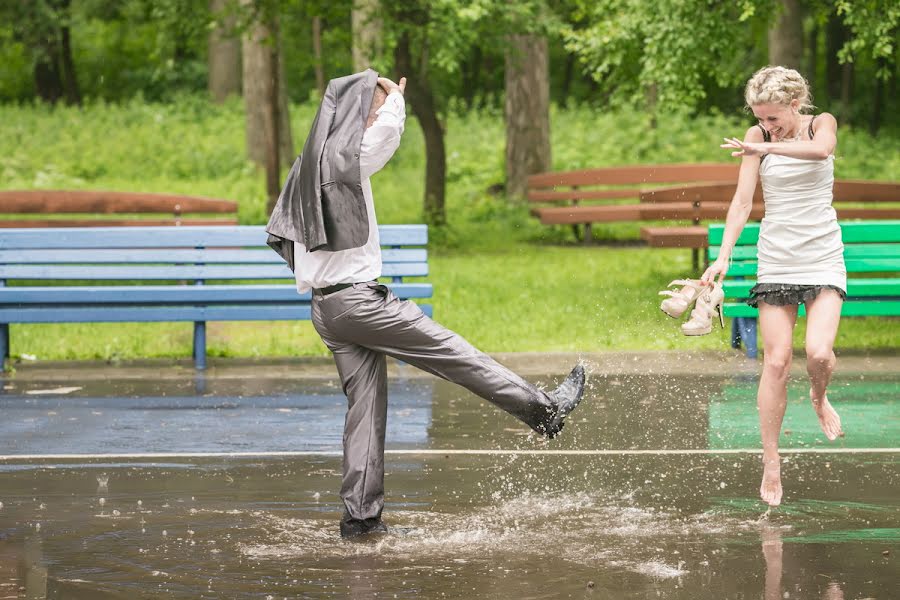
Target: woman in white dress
800,253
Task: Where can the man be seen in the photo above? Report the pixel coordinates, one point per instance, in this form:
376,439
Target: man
324,225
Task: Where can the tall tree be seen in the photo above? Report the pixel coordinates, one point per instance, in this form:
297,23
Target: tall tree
424,106
786,35
367,30
224,52
269,141
44,29
527,110
317,54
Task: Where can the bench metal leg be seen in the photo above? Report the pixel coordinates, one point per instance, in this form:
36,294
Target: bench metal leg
588,234
200,344
743,329
4,343
695,259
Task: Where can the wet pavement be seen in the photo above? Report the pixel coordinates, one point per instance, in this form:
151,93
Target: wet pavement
148,482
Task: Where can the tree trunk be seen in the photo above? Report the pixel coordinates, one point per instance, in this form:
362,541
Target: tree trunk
786,36
527,111
366,28
812,58
47,80
421,99
67,64
835,38
317,54
259,85
224,55
877,100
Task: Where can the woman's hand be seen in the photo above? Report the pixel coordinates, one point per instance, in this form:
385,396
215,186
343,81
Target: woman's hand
743,148
715,272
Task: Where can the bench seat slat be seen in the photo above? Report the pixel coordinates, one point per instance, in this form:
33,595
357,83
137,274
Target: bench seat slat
175,237
850,308
141,314
145,256
177,272
175,294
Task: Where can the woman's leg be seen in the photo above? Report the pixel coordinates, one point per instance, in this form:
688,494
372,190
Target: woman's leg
822,317
777,327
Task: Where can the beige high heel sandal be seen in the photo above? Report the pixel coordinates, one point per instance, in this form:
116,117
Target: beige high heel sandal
680,300
709,303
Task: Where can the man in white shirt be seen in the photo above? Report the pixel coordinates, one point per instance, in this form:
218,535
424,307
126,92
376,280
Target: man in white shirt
362,323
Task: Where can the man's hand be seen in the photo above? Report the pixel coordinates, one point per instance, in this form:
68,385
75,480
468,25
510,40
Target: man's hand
389,86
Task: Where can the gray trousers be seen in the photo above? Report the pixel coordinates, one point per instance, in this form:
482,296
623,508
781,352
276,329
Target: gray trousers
363,324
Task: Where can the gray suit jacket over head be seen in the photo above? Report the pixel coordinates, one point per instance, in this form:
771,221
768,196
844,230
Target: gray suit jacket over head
321,204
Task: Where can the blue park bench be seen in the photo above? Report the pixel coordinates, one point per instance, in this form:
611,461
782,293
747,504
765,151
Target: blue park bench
872,256
161,274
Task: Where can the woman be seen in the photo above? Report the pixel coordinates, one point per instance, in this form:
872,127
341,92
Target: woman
800,252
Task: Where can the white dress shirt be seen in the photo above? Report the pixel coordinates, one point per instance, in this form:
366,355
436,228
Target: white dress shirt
322,268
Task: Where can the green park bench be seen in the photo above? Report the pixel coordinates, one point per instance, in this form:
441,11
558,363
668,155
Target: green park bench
872,256
170,274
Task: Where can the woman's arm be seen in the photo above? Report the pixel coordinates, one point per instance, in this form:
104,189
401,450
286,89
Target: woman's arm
739,211
820,147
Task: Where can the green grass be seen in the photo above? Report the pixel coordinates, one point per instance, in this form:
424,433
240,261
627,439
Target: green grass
501,279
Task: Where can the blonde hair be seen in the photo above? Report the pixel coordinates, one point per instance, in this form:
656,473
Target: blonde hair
778,85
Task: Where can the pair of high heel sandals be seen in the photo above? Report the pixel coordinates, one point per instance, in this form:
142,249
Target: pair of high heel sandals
707,301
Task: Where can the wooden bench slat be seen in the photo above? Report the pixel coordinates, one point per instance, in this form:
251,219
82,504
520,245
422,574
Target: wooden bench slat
107,314
742,253
675,237
854,265
173,222
207,256
177,272
568,215
177,294
571,195
642,174
108,202
850,308
851,232
176,237
855,287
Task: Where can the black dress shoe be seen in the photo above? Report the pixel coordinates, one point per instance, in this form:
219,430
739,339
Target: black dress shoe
351,528
567,396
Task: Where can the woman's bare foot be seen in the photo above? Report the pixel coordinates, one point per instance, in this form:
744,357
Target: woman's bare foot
828,417
770,489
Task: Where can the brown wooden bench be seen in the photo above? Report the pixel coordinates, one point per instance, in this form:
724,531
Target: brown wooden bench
611,194
75,209
853,199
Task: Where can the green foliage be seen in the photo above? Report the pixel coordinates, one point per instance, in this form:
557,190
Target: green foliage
875,25
665,49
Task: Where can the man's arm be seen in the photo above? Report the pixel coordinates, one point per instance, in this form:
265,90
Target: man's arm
382,139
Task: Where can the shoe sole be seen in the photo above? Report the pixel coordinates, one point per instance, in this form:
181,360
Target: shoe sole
695,333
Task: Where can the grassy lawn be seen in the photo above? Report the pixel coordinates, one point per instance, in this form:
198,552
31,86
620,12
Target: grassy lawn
501,279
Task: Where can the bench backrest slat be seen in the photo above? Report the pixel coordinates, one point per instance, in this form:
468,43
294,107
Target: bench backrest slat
176,272
175,256
644,174
851,232
162,294
845,190
175,237
108,202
